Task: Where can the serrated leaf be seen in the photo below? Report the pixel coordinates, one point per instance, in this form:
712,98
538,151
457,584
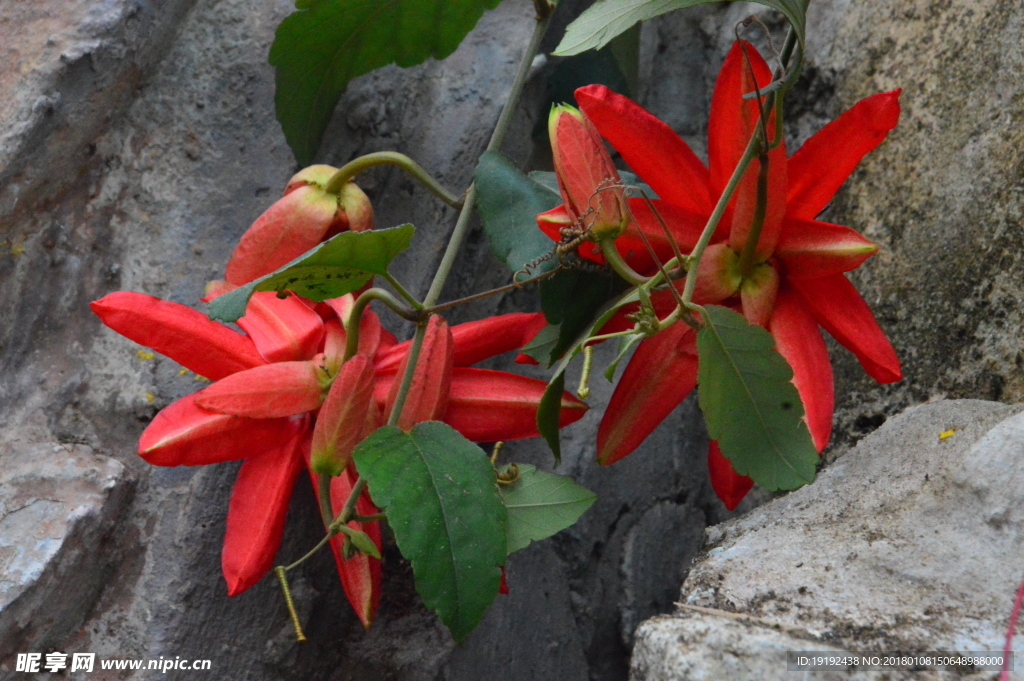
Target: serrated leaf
338,266
319,49
509,202
439,492
605,19
541,504
750,404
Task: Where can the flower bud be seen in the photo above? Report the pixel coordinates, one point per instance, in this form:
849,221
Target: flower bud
589,183
305,216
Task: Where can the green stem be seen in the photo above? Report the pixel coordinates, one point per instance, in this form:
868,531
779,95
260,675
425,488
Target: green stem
324,496
462,224
723,201
621,267
312,552
348,511
409,298
754,235
356,315
348,171
491,292
497,137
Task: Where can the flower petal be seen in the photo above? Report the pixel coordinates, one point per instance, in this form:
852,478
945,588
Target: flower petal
730,486
733,118
808,248
740,117
822,164
479,340
661,373
650,147
799,340
294,224
431,379
838,307
487,406
185,335
266,392
283,329
340,422
185,434
361,574
257,511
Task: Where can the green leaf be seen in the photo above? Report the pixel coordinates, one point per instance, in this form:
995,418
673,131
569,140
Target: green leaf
542,344
549,413
605,19
749,403
541,504
573,299
509,202
319,49
336,267
442,502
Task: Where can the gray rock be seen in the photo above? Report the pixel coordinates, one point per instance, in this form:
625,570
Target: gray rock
911,541
59,506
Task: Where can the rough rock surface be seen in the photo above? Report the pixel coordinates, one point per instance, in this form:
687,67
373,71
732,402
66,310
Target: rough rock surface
59,506
911,541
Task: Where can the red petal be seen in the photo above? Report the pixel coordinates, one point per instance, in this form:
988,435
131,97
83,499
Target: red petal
799,340
838,307
738,118
487,406
361,574
179,332
428,393
185,434
340,423
479,340
822,164
370,330
732,117
745,204
729,485
650,147
257,511
283,329
266,392
809,249
661,373
293,225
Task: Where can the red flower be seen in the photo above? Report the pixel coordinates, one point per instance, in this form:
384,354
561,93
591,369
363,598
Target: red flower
268,404
796,281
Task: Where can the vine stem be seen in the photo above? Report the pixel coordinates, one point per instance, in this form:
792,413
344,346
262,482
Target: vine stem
462,224
356,314
347,172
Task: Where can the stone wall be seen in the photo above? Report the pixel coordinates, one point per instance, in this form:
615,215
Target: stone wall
137,141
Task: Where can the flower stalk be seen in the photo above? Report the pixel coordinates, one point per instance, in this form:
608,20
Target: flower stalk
348,172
